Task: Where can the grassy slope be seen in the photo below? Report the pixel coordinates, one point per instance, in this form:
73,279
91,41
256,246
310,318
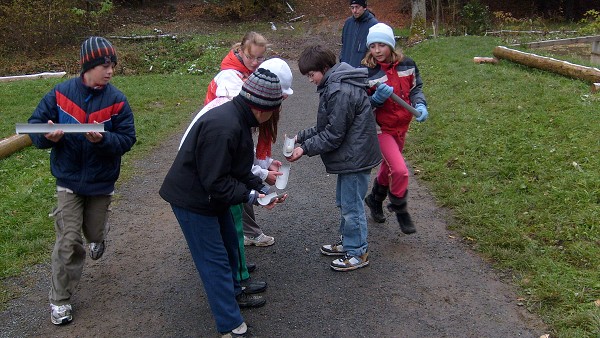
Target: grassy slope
514,152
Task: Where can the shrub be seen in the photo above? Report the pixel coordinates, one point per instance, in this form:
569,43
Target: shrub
63,22
475,18
591,22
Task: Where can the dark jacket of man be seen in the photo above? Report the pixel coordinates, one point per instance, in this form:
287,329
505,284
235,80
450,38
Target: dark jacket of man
354,38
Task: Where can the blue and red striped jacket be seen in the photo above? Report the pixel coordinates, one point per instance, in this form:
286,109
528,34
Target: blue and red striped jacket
84,167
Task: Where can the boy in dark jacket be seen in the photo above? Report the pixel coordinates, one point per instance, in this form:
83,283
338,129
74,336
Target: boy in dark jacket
346,138
211,172
86,165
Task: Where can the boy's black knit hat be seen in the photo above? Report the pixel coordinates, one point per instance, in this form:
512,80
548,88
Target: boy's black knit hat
96,51
362,3
262,90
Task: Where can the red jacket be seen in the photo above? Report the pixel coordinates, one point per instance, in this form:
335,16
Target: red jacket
229,80
404,77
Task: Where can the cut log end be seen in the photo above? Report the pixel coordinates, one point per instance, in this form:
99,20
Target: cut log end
13,144
481,59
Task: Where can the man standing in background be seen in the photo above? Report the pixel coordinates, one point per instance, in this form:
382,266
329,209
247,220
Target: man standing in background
354,33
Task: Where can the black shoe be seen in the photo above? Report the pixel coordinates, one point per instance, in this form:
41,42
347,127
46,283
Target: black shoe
250,266
376,209
406,223
245,300
250,287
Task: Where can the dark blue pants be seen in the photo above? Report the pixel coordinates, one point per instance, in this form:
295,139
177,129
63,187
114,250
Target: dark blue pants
214,247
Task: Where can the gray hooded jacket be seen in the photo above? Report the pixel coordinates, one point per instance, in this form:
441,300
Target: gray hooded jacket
345,135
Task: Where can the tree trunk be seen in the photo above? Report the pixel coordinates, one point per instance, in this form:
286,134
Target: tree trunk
589,74
437,25
438,11
418,27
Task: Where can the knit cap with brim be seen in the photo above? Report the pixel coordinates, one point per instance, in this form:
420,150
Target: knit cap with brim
383,33
96,51
262,90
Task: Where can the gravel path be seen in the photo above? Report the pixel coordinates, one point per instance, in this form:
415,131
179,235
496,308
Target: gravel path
424,285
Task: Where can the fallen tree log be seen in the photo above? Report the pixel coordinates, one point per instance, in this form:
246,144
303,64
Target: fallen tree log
589,74
13,144
144,37
32,76
483,59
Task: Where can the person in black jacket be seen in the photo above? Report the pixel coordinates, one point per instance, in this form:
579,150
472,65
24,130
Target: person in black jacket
354,33
86,165
211,172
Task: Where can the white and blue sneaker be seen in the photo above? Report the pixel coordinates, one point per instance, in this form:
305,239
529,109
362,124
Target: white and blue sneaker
348,263
60,314
336,249
97,250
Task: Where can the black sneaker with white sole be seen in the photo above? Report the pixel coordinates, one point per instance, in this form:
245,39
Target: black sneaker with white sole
245,300
251,286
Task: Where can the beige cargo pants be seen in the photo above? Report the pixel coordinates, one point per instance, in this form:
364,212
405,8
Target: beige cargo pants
74,215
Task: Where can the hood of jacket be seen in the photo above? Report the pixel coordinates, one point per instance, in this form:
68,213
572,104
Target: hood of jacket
343,72
366,16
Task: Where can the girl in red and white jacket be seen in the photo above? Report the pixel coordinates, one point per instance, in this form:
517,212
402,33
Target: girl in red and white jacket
397,74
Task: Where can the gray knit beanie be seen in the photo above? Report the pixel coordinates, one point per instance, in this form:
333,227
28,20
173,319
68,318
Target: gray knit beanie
262,90
96,51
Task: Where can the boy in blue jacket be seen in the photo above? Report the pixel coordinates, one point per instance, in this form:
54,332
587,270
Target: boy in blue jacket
346,138
85,165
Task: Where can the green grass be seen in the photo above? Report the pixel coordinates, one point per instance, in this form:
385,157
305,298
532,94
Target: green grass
514,153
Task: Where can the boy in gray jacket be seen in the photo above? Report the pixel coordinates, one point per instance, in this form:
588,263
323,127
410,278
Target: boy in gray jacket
346,138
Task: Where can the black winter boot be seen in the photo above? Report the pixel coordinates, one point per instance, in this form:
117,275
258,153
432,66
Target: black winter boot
399,206
375,201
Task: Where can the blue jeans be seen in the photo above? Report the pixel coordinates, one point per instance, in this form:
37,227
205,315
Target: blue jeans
351,190
213,243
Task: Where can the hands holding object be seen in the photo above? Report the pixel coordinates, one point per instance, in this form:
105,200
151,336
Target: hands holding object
398,100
